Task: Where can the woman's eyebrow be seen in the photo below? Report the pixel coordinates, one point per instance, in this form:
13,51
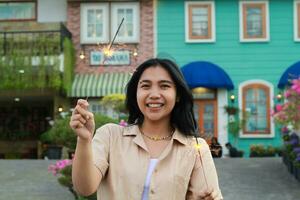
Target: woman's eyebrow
166,81
161,81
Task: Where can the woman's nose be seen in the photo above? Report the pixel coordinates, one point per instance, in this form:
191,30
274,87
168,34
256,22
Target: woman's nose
154,93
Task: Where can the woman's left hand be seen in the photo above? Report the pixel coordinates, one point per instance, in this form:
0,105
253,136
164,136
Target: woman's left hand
209,195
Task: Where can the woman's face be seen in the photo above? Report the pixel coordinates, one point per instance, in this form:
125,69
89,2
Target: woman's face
156,94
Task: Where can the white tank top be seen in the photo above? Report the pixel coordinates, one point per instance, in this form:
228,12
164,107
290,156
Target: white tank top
151,167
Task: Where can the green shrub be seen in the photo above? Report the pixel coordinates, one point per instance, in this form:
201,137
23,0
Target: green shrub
259,150
61,133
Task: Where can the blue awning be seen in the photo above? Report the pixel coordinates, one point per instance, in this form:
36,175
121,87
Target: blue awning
292,72
206,74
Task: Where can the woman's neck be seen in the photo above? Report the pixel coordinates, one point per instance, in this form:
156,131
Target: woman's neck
161,128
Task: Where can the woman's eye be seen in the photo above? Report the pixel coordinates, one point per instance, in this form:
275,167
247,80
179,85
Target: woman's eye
165,86
145,86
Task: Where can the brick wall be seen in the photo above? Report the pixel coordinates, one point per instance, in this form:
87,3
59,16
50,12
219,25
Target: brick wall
144,47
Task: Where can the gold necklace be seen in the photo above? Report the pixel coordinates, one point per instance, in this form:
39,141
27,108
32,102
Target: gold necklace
155,138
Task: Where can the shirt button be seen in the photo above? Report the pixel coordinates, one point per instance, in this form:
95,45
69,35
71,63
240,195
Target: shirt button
155,171
152,191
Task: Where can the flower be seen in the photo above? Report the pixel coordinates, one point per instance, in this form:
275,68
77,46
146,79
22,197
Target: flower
58,166
123,123
288,114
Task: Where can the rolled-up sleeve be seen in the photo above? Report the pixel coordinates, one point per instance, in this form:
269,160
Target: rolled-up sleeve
100,147
204,174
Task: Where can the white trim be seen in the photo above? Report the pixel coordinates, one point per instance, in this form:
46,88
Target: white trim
155,28
222,96
296,38
135,6
213,24
272,125
242,39
84,7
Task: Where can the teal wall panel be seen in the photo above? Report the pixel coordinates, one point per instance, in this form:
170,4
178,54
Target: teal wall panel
242,61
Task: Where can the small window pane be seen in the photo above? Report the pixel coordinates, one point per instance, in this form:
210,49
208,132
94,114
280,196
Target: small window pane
200,21
257,110
95,23
254,22
15,11
127,27
91,30
99,30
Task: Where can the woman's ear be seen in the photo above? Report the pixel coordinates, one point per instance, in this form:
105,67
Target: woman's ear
177,99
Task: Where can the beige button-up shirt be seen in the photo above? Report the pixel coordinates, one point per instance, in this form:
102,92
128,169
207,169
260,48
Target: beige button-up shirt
122,157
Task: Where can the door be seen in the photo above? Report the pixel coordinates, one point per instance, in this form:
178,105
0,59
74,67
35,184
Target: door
206,115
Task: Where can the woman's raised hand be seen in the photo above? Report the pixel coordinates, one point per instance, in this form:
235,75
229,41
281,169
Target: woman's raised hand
82,121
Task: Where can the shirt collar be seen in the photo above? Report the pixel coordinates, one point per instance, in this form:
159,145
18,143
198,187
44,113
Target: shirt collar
180,137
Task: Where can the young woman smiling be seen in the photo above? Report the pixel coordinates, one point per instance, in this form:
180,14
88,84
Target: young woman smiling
158,155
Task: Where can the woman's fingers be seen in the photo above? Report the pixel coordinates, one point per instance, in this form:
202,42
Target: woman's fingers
76,124
78,117
83,112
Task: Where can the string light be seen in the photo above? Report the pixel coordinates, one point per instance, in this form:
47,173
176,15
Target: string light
232,98
81,56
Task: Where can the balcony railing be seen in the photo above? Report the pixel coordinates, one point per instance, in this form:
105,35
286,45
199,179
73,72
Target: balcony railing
34,40
31,59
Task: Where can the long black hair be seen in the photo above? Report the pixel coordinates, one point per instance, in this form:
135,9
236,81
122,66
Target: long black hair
182,115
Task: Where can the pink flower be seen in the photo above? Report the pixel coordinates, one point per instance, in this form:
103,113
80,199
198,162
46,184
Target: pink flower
123,123
278,107
59,165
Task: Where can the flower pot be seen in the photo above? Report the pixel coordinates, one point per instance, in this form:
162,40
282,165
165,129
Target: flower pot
297,173
54,152
290,166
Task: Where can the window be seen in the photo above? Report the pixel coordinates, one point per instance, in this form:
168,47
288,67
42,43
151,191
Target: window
94,23
100,21
18,11
199,21
256,104
254,21
129,31
296,20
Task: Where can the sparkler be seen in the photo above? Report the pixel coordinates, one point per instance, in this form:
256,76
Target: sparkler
107,50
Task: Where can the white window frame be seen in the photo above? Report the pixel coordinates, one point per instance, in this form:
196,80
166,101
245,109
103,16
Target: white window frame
241,17
272,125
135,6
84,7
296,21
213,24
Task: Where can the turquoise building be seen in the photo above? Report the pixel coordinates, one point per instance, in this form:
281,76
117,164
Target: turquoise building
233,54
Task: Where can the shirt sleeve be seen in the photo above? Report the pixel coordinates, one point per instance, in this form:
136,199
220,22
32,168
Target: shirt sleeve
100,147
204,174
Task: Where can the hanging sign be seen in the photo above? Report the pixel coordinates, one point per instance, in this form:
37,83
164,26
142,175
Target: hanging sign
118,58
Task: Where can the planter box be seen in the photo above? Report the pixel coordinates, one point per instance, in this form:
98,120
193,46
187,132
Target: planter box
290,166
297,173
18,149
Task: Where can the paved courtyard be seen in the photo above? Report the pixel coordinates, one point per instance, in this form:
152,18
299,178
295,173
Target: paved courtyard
240,179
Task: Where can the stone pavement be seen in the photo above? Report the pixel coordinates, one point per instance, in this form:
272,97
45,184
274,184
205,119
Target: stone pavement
240,179
256,179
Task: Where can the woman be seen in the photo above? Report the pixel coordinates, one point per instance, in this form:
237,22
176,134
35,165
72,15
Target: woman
155,156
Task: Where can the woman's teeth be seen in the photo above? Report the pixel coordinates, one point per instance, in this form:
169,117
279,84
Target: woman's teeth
154,105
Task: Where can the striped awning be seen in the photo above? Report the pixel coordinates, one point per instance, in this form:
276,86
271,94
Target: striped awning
98,85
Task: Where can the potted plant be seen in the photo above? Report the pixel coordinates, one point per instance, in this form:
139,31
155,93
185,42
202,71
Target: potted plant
63,170
231,110
297,167
60,134
288,113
